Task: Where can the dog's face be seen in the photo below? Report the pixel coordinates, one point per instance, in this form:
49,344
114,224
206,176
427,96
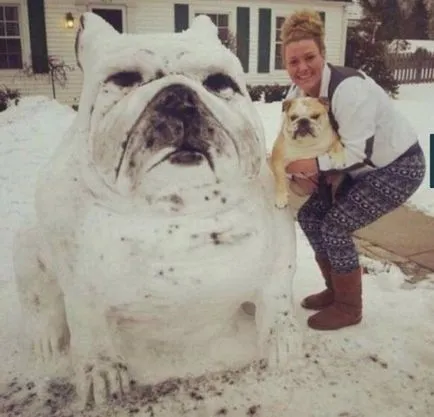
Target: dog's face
165,108
305,120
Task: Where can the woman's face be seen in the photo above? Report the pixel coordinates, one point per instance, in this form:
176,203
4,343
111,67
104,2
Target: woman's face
304,64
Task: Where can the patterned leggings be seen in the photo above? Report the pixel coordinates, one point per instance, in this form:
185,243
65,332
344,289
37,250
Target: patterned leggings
359,202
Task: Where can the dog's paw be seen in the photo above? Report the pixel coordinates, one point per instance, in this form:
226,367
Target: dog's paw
281,201
100,380
337,153
337,158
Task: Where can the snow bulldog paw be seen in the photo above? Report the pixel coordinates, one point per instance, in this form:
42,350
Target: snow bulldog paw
49,344
99,380
48,335
279,339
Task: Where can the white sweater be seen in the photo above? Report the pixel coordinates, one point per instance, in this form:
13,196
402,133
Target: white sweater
371,129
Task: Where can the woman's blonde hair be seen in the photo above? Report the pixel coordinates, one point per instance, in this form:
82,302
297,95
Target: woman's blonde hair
302,25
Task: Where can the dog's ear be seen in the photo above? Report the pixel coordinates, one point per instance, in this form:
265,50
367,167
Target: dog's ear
286,104
325,102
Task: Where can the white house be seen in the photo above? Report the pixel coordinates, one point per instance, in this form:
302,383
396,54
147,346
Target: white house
32,32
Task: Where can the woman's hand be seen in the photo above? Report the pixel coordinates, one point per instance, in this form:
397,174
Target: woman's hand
302,185
303,166
304,176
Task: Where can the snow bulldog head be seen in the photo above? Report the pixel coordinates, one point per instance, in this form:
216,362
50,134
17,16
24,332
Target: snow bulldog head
159,109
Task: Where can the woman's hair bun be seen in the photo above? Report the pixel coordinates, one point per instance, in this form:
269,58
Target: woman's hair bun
303,24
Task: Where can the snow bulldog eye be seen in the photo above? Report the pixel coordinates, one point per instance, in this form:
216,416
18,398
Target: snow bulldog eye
222,84
125,78
117,85
128,79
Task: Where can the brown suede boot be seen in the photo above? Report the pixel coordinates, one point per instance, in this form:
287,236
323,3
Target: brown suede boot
346,309
324,298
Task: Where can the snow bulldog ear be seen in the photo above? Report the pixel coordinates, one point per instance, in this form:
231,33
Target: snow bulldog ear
92,31
202,27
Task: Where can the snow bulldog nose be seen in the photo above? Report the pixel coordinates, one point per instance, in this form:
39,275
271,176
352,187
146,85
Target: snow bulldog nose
177,115
178,101
179,107
179,119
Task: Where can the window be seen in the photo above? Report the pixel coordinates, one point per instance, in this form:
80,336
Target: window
113,16
278,48
222,23
10,40
278,64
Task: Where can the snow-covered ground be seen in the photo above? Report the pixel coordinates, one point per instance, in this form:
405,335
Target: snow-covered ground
384,366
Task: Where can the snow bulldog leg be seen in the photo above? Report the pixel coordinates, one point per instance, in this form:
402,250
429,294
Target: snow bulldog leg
40,297
100,372
278,328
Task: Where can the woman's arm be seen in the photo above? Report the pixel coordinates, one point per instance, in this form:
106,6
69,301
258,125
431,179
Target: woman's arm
354,106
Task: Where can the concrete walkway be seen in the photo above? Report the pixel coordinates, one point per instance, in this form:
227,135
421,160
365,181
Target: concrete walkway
404,236
406,233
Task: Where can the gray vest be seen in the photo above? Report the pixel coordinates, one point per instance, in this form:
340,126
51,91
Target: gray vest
337,75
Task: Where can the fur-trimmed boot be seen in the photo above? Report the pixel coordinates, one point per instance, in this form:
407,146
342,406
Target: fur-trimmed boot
324,298
346,309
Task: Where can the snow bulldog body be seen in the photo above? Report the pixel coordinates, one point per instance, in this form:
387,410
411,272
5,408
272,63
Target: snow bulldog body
156,219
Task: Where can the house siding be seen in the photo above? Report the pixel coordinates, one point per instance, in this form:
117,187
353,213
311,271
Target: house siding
60,43
159,16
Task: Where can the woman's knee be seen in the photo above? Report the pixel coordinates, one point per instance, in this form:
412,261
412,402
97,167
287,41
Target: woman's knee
310,212
332,230
306,216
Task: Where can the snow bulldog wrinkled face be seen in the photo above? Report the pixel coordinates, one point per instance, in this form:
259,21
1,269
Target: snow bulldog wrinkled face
165,108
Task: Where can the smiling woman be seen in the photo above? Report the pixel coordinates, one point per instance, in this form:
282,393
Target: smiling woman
382,161
303,50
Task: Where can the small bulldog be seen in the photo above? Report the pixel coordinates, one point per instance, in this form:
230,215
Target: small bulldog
306,132
149,215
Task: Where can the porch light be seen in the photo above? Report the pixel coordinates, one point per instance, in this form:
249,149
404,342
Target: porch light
69,20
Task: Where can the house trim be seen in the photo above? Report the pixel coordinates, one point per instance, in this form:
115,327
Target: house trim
126,3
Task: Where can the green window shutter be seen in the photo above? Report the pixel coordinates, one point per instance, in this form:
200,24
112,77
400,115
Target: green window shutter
322,15
181,17
38,36
264,39
243,36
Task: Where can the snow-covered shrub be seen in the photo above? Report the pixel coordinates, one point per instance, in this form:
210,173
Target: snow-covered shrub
8,96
